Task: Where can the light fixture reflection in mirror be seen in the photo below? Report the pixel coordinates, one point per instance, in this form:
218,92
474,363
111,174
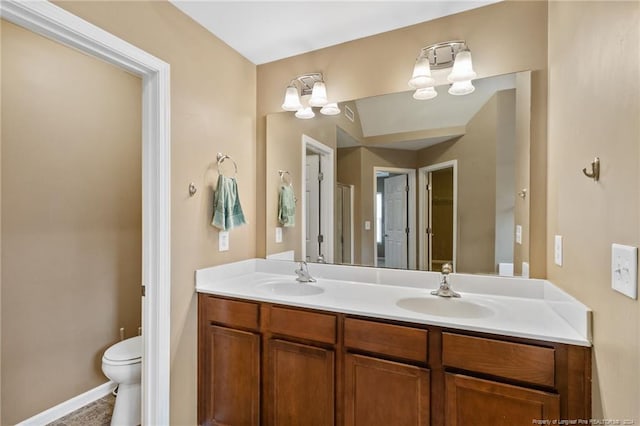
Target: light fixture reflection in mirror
393,134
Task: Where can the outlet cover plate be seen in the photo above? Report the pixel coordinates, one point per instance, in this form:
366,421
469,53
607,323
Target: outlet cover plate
557,250
223,241
278,234
624,270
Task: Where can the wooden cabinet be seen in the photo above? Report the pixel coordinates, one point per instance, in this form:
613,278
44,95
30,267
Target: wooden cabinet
378,391
472,401
260,363
228,362
300,384
230,389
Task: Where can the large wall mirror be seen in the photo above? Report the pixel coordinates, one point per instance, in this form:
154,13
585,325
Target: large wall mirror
403,183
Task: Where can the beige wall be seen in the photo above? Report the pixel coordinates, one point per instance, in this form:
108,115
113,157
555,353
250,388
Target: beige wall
71,219
213,107
476,156
516,40
589,117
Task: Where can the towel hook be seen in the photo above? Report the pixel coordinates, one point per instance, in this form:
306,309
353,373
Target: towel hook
595,170
282,174
220,159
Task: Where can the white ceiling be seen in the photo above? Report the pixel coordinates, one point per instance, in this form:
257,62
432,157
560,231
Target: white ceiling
265,31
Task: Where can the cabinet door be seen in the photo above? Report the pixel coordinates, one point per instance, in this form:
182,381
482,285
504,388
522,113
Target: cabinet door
231,378
379,392
471,401
300,385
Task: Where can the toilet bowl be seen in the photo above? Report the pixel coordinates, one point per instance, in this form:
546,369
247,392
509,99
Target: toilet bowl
122,363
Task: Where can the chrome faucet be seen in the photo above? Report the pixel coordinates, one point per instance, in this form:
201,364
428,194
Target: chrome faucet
444,290
303,273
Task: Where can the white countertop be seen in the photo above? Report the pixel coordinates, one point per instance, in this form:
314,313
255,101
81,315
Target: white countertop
528,308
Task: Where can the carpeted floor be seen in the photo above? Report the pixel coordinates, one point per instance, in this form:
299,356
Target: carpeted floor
98,413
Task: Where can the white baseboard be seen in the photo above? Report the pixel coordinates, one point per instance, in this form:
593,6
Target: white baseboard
69,406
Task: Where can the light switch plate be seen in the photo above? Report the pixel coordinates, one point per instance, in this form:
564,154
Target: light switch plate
624,270
519,234
278,234
367,225
557,250
223,241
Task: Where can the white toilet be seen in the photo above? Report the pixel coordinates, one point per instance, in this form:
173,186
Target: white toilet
122,363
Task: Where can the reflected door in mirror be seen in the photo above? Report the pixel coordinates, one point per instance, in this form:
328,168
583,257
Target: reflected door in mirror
395,222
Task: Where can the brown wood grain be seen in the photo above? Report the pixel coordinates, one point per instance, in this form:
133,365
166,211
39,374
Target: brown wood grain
303,324
301,385
386,339
231,391
233,313
381,392
472,401
526,363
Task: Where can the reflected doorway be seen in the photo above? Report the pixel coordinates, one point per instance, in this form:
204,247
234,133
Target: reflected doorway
394,224
438,185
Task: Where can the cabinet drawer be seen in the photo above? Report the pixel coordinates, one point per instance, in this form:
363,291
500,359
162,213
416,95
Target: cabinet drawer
386,339
303,324
526,363
233,313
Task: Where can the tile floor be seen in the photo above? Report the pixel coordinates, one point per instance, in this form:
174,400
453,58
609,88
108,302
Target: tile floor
98,413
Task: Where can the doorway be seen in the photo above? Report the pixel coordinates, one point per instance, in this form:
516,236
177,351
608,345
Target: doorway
53,22
394,212
344,253
438,213
317,201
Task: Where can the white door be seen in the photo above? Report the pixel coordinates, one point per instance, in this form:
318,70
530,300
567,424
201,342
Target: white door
312,208
395,222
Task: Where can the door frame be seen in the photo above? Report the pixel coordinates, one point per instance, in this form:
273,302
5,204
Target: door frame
411,206
55,23
423,200
326,193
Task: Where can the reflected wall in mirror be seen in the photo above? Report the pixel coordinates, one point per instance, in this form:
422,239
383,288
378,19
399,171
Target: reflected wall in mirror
404,183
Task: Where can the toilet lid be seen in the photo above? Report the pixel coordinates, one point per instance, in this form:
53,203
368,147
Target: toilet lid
125,350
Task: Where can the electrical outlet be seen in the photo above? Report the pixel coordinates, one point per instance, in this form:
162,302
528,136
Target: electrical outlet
223,241
624,270
557,250
367,225
518,234
278,234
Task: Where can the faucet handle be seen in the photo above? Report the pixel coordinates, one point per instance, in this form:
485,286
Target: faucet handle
447,268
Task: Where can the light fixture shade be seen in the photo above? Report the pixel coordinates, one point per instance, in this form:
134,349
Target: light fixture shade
305,113
461,88
425,93
462,67
330,109
421,77
291,99
318,95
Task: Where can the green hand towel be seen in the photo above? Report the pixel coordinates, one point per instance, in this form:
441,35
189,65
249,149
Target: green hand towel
227,211
286,206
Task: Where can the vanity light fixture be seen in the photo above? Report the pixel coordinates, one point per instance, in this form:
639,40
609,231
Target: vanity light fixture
447,54
309,86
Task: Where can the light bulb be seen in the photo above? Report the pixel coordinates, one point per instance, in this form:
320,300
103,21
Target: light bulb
291,99
461,88
462,67
318,95
425,93
330,109
421,77
305,113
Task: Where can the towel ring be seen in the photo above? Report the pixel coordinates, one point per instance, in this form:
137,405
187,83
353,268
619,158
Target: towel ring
282,174
220,159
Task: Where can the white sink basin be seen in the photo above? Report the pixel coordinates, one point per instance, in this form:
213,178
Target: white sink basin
286,288
445,307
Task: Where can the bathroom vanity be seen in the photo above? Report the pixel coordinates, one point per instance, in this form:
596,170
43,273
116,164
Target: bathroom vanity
364,350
